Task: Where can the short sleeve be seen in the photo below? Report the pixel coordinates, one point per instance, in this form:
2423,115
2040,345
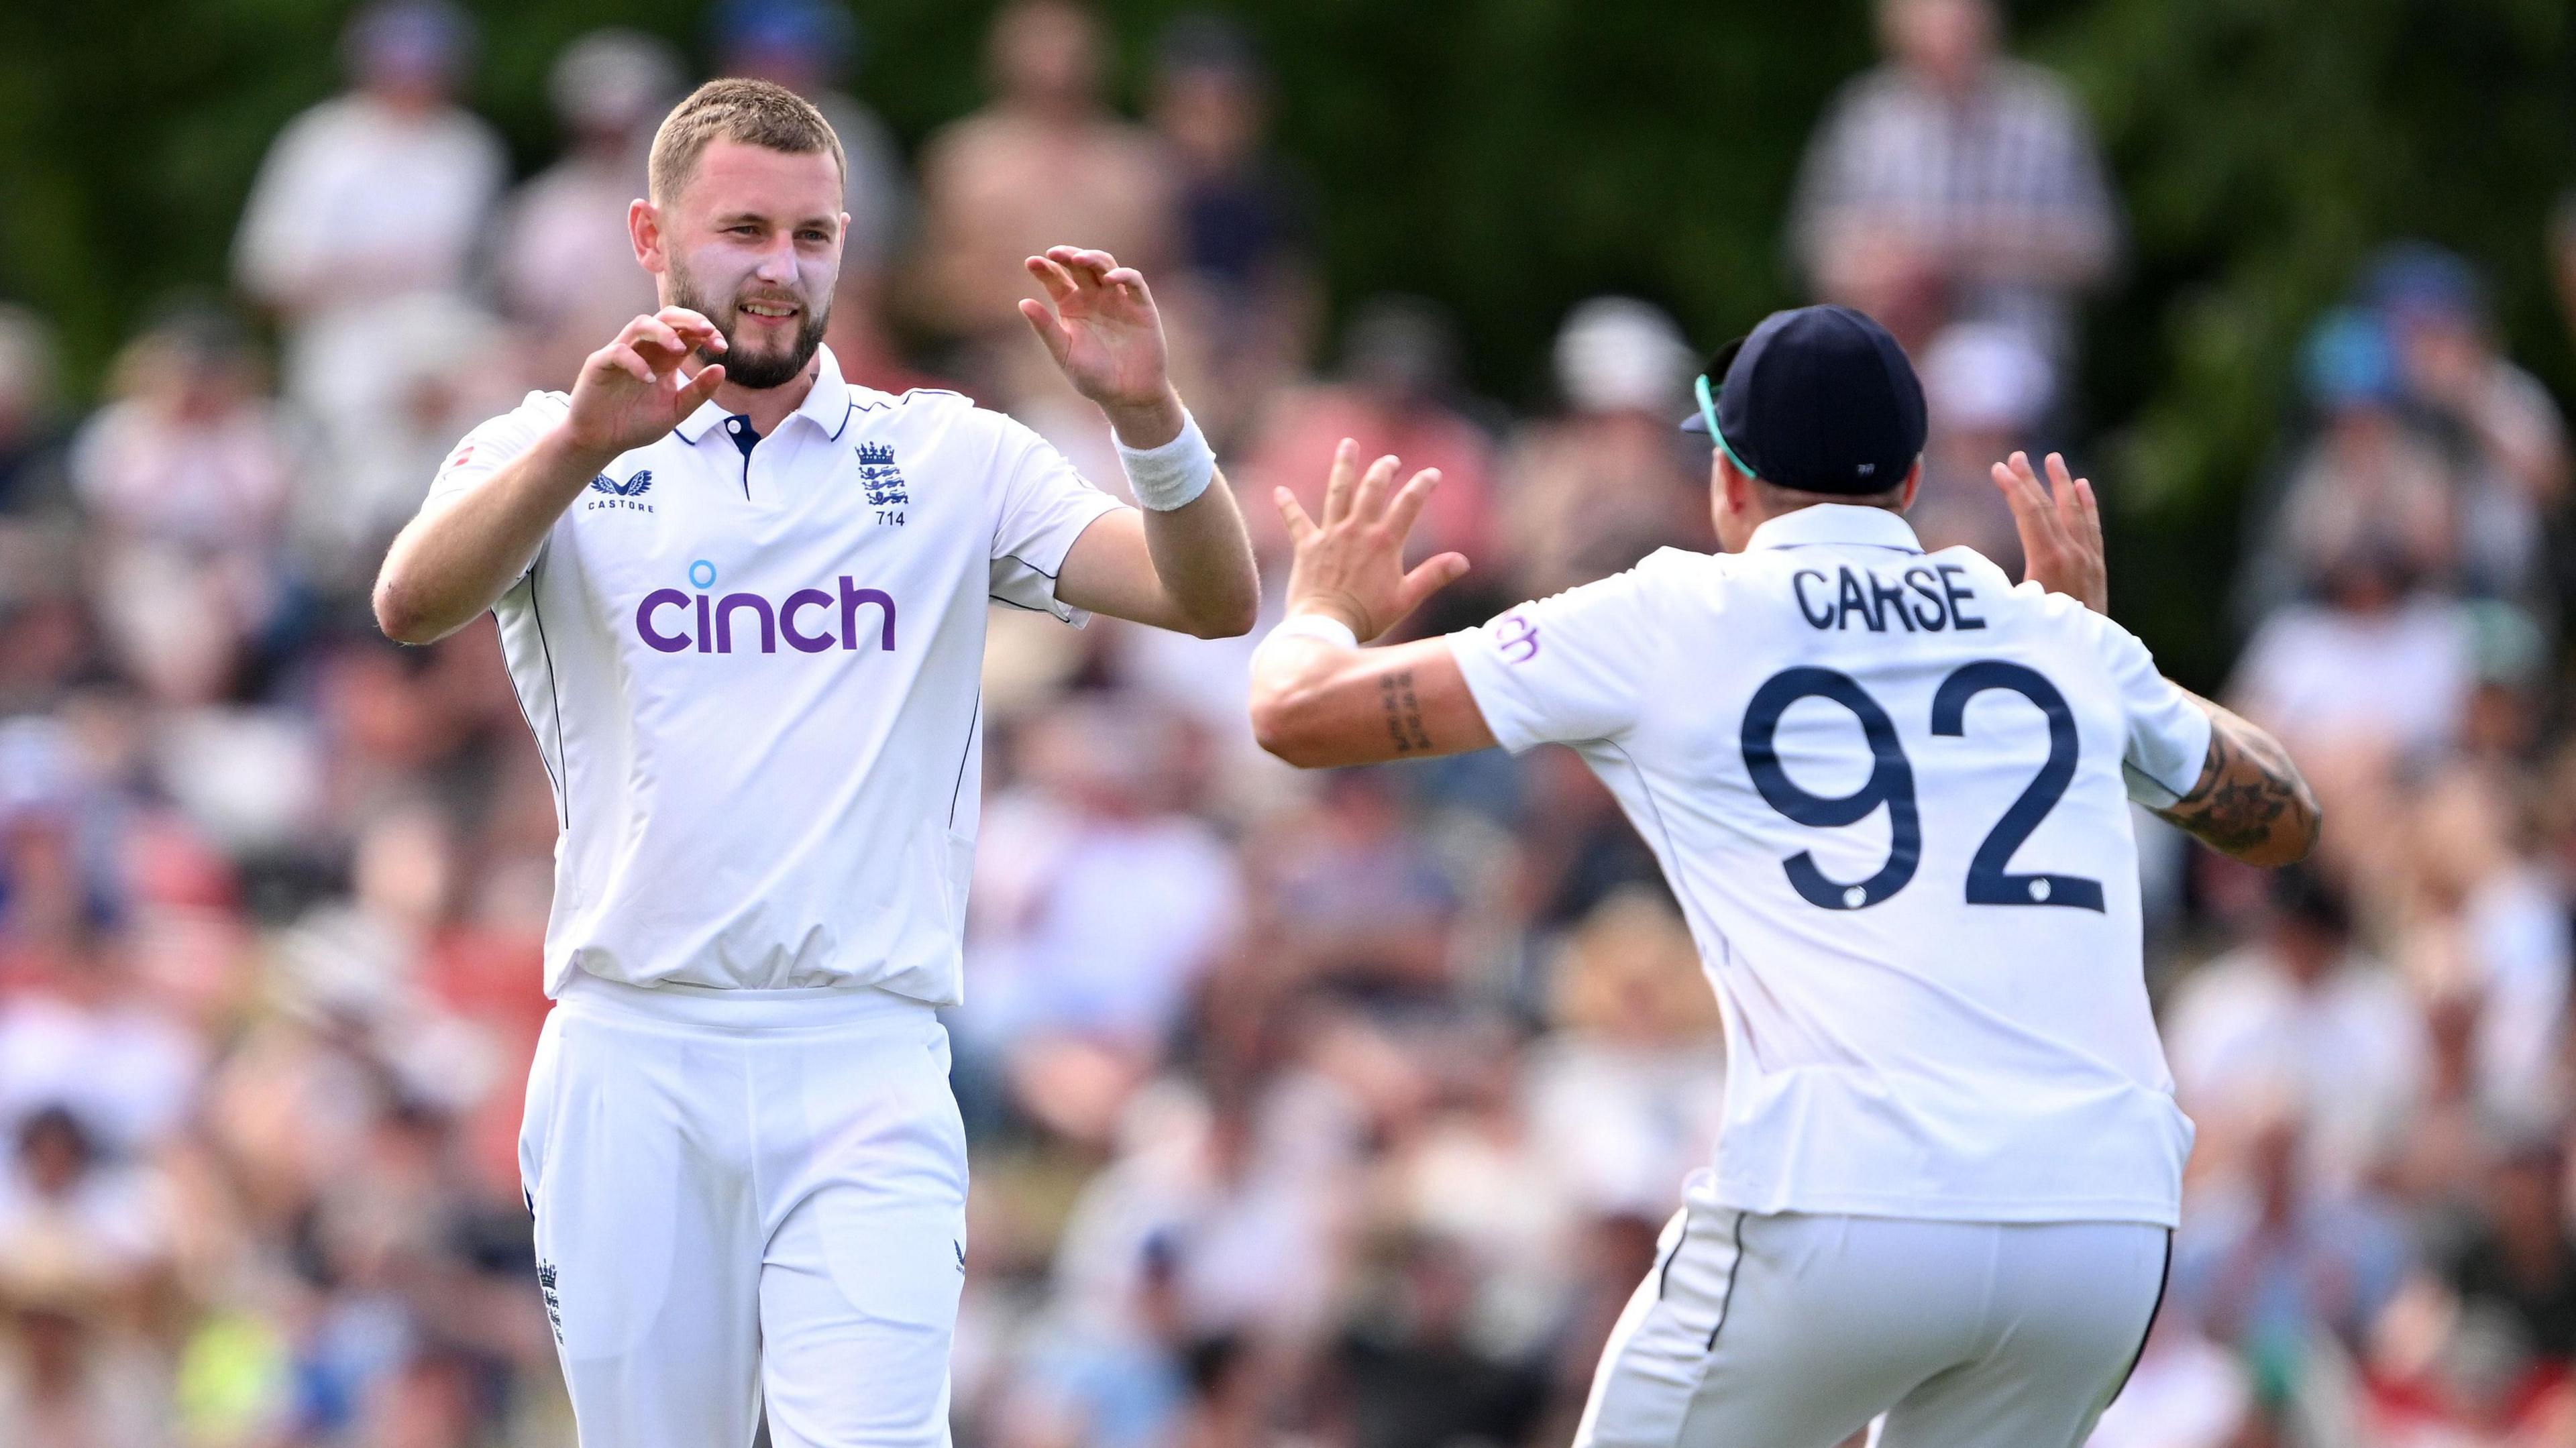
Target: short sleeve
491,446
2168,731
1575,666
1045,504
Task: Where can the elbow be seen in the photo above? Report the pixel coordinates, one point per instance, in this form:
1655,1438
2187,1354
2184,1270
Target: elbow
1282,731
400,616
1231,622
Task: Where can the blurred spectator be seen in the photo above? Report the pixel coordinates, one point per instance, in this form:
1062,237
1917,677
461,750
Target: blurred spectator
1988,392
1247,277
1953,183
2367,481
2297,1018
32,481
2509,435
368,200
2521,1263
188,473
2379,667
1608,481
1397,393
1361,898
1098,906
1410,1372
2484,923
1045,164
567,266
2291,1271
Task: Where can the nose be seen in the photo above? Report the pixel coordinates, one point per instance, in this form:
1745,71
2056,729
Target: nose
778,261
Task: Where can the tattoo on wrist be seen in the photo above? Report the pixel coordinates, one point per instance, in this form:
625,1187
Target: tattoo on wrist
1403,712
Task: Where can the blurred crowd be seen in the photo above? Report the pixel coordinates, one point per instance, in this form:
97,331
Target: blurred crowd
1337,1111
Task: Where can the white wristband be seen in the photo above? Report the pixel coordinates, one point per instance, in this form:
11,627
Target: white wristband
1315,626
1173,475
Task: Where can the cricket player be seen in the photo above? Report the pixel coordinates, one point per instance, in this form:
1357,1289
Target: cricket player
1891,791
743,604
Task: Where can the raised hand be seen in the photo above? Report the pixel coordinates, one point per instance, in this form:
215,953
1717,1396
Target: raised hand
632,391
1350,566
1100,325
2061,530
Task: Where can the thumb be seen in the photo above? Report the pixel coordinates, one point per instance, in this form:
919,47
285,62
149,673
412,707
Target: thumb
1049,330
1427,578
701,387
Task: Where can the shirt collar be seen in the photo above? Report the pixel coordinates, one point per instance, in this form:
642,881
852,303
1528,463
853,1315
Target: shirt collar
1836,523
827,404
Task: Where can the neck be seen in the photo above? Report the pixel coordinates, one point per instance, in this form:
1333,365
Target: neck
767,407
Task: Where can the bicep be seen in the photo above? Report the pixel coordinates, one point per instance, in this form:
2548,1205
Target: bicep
1410,701
1109,570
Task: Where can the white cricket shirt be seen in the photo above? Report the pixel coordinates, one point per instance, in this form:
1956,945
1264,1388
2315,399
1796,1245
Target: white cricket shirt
753,669
1889,791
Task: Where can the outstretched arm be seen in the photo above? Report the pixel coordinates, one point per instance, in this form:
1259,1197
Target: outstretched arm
2251,801
1184,565
1318,700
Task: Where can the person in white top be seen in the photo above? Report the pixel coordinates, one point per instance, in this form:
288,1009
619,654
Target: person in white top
1891,790
743,605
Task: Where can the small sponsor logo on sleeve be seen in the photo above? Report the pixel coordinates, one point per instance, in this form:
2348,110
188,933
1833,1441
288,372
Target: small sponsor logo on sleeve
1517,637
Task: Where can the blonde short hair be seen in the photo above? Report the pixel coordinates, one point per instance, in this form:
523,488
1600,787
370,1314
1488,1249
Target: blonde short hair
753,112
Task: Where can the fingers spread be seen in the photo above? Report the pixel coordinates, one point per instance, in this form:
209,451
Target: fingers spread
1300,527
1370,501
1338,482
1408,502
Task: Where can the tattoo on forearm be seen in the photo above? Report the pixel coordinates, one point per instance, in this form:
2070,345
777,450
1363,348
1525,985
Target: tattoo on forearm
2249,796
1403,712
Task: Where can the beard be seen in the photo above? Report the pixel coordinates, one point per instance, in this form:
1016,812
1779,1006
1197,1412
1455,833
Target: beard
744,367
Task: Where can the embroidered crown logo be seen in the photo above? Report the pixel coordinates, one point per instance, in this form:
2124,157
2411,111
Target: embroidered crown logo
880,477
630,488
553,1301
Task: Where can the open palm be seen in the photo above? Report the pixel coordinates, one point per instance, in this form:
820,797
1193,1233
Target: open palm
1100,325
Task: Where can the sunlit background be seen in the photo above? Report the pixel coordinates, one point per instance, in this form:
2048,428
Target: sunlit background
1334,1111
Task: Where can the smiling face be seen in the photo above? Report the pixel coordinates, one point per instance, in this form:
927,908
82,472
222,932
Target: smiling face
751,240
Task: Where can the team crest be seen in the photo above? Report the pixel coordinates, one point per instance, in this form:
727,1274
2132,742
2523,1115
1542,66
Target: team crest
880,477
628,494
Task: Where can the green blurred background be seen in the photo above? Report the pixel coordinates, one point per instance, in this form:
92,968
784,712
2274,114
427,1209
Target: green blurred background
1510,157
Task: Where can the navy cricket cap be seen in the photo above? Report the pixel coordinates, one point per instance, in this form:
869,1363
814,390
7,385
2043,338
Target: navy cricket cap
1819,399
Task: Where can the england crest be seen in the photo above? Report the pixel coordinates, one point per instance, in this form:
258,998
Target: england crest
880,477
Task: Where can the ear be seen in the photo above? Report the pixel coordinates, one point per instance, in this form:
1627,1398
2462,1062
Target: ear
1913,485
1734,490
644,230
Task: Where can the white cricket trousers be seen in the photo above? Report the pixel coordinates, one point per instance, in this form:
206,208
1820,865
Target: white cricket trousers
1794,1331
747,1197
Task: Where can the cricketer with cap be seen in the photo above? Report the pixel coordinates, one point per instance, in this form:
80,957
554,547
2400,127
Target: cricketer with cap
1891,790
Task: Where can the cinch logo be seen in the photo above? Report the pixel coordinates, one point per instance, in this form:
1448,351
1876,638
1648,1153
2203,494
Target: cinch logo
715,617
